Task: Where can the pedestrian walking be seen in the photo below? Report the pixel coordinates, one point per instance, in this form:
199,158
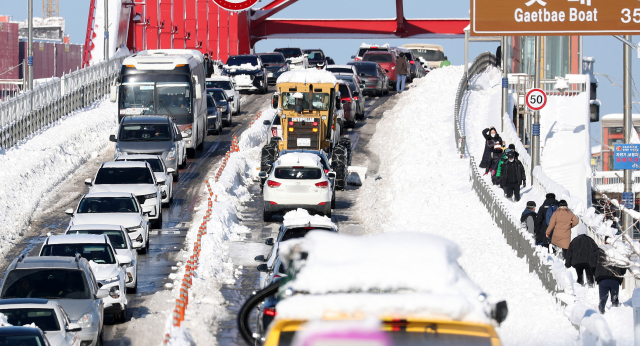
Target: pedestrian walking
208,66
580,251
528,217
402,69
609,278
560,225
549,206
498,175
512,177
490,155
445,62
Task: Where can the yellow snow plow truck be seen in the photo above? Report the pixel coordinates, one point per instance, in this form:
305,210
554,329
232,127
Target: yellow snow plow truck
311,116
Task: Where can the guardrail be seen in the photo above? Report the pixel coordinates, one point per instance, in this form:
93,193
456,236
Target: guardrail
23,115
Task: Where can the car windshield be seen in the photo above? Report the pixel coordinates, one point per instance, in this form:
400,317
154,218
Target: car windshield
144,133
315,55
156,164
45,319
241,60
289,52
352,86
320,101
272,59
298,173
344,91
116,238
378,58
345,78
124,175
364,50
407,56
46,283
367,69
221,84
339,69
210,102
428,54
99,253
218,95
107,205
174,94
22,340
155,94
299,232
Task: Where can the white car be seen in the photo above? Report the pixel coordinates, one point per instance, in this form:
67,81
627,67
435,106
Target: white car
106,265
133,177
226,83
164,174
109,208
296,59
47,315
370,47
121,242
298,180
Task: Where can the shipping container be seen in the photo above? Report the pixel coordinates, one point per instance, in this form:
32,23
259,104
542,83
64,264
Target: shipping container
68,58
43,59
9,53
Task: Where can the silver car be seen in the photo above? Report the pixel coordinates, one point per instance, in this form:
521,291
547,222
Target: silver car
47,315
66,280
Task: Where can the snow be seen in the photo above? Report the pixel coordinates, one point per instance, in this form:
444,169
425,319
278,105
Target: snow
423,186
246,67
301,216
34,167
302,159
310,76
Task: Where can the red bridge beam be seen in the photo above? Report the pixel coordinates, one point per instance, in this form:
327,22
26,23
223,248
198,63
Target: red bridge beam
359,28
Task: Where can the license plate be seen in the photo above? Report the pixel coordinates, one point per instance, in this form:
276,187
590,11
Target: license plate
301,120
304,142
270,74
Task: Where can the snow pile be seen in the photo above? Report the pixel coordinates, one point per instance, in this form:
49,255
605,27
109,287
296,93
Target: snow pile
393,262
301,217
33,168
246,67
310,76
423,186
215,267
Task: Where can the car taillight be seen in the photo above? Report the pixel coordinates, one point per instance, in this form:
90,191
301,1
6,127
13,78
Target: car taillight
355,98
327,171
270,311
273,184
348,99
323,185
374,47
315,123
274,131
322,203
412,62
291,123
273,203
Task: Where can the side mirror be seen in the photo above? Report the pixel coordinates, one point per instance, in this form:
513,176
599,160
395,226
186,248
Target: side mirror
262,174
263,268
331,175
268,241
113,97
362,75
87,181
146,213
274,101
266,123
265,65
353,57
69,212
355,93
198,88
123,260
230,98
113,138
178,137
306,55
260,258
500,312
102,293
171,170
73,327
288,61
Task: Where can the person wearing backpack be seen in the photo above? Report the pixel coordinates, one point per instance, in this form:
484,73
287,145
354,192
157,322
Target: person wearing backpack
547,209
580,250
560,225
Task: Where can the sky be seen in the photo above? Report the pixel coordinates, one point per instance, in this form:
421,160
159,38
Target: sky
606,50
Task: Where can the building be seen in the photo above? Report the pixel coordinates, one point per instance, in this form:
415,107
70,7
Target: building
559,55
612,134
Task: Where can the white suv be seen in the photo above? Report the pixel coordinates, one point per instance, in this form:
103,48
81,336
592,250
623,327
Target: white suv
298,180
226,83
133,177
164,174
107,266
114,208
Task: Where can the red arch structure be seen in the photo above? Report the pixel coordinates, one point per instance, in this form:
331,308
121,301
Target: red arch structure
202,25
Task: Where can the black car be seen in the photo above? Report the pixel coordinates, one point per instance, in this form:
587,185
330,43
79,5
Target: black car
222,104
275,64
22,336
248,73
316,58
214,121
376,81
294,57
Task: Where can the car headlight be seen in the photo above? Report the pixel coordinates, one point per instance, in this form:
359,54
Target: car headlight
114,292
187,132
118,152
86,320
109,280
150,196
259,74
138,228
171,155
283,69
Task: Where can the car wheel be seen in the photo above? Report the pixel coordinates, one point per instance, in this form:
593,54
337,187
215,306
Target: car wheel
99,342
133,289
191,153
266,216
157,223
122,316
333,200
238,110
328,214
176,176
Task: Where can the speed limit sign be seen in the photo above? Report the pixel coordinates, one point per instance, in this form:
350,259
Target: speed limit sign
235,5
536,99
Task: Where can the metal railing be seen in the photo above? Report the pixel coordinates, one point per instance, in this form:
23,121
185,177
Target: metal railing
23,115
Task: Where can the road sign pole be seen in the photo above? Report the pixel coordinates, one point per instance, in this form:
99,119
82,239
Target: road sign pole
628,126
535,143
505,81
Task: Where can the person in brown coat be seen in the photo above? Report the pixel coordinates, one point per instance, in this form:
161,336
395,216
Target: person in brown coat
560,225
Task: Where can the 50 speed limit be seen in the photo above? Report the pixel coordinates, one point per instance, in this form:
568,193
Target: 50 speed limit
536,99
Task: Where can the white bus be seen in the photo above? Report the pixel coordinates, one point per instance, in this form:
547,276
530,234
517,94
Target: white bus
430,55
167,82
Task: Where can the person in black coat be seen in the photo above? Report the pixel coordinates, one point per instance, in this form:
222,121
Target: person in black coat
208,66
541,220
512,175
609,278
580,250
491,136
529,217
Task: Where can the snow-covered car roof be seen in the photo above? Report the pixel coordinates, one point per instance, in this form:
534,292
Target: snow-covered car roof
27,303
219,78
77,239
299,159
124,164
390,273
137,157
366,45
301,218
109,194
310,76
95,227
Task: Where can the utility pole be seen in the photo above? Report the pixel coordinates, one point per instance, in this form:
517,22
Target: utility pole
505,81
628,126
580,47
30,46
106,30
535,148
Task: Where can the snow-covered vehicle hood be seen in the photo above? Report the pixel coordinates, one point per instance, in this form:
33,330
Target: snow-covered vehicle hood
124,219
104,271
136,189
228,93
296,59
125,253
